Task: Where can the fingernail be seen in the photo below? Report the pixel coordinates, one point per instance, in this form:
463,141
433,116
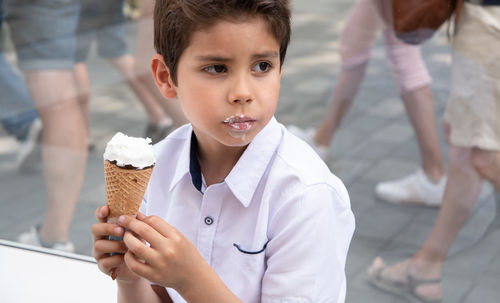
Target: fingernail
118,231
121,219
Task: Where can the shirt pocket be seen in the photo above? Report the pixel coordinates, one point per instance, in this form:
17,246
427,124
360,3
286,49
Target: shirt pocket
250,258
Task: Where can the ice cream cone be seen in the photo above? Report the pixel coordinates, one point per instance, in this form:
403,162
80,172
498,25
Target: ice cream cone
124,188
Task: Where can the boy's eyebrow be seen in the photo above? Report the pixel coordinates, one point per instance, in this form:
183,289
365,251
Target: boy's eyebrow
212,58
270,55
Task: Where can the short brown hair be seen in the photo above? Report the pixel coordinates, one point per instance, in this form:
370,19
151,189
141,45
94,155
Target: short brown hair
176,20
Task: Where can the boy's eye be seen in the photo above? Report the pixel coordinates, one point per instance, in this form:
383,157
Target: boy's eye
261,67
215,69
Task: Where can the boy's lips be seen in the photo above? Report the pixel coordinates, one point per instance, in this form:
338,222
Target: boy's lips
239,123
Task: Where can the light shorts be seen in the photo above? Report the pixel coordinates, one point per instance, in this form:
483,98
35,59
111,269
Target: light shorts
366,20
103,21
473,110
43,32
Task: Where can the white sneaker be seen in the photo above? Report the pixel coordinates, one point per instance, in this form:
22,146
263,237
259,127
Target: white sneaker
308,136
32,237
29,154
414,189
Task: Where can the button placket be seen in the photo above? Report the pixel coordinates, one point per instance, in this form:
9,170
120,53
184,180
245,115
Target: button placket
210,210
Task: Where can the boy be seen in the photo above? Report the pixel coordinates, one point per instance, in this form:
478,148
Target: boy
237,208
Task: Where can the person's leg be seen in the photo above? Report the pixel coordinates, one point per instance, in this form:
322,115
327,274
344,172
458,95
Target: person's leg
82,83
487,164
413,80
19,117
45,45
426,185
462,190
125,65
17,112
143,53
356,41
112,45
64,148
170,106
159,124
420,109
346,87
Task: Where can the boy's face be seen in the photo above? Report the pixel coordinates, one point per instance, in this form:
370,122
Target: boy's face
228,81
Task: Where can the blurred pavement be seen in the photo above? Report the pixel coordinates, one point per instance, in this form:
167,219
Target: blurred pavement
375,143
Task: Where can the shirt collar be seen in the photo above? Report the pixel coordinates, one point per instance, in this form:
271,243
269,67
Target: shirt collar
245,176
194,164
248,171
183,160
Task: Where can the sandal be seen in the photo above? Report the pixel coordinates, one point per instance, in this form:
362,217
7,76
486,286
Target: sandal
402,288
413,283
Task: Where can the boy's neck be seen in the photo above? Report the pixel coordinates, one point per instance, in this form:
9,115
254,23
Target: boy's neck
217,161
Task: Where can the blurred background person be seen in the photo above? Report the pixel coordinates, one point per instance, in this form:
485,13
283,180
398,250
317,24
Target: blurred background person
472,128
143,54
104,23
43,34
18,116
367,19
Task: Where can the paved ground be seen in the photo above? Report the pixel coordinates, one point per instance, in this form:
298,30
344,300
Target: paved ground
375,143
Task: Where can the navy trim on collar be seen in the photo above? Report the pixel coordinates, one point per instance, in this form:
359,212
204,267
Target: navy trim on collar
194,164
491,2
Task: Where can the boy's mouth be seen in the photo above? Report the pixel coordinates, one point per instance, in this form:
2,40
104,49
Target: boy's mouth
239,122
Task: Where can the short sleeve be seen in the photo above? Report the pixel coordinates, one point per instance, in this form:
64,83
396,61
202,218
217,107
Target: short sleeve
309,239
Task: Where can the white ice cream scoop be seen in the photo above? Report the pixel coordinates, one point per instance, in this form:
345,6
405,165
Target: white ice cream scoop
125,150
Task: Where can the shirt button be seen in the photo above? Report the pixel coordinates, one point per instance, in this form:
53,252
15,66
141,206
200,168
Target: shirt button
209,221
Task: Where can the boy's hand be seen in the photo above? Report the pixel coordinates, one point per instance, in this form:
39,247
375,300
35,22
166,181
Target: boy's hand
103,247
170,261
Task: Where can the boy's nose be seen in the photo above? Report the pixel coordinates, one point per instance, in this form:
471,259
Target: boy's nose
242,99
240,92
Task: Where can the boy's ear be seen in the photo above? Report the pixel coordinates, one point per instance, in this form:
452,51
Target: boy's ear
162,77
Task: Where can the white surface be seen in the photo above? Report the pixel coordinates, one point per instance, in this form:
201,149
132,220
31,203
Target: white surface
43,275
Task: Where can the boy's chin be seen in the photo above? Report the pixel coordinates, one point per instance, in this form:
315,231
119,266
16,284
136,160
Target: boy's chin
238,140
243,142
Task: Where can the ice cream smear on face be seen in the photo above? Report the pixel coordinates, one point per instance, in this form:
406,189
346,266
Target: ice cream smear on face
124,150
240,122
240,125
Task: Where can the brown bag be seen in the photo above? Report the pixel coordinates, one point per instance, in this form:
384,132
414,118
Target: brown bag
417,20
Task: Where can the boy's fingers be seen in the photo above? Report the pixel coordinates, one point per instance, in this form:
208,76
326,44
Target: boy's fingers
136,266
137,247
140,216
104,250
103,230
152,229
160,226
101,213
110,246
142,229
108,263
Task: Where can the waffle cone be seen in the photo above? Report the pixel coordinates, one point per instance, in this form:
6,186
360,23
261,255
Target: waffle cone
124,188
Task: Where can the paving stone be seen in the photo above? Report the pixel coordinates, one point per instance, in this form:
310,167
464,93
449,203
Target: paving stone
360,290
389,169
361,195
361,253
383,221
456,288
485,291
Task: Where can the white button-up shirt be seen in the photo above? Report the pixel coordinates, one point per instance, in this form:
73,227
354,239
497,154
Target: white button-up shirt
276,230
